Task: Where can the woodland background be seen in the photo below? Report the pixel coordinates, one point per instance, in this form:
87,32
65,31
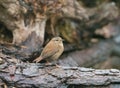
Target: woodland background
91,33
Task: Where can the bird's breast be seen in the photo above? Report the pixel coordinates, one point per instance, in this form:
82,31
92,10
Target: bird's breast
59,52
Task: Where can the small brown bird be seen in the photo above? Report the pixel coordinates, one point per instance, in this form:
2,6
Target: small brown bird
52,50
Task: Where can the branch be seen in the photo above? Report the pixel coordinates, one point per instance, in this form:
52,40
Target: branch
37,75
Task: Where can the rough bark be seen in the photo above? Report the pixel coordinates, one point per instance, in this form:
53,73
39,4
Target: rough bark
37,76
40,75
28,28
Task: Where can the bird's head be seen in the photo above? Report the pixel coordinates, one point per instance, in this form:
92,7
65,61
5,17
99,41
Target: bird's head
57,39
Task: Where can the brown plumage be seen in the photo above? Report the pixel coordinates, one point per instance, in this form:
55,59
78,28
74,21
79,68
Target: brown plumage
52,50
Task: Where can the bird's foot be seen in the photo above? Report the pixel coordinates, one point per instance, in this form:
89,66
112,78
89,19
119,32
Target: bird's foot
58,66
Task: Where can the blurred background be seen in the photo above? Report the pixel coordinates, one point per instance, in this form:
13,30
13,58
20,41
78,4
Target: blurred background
91,34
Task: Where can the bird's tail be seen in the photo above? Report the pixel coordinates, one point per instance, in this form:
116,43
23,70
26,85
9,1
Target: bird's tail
38,59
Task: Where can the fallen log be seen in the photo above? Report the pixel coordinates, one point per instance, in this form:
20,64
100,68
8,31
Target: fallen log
49,76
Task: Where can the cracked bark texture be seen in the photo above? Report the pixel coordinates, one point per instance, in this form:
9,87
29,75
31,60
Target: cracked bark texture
27,22
44,76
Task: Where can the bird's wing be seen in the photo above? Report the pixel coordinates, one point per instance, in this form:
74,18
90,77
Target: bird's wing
49,50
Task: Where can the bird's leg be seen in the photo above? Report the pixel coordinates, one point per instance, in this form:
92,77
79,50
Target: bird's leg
48,63
58,66
55,63
51,63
